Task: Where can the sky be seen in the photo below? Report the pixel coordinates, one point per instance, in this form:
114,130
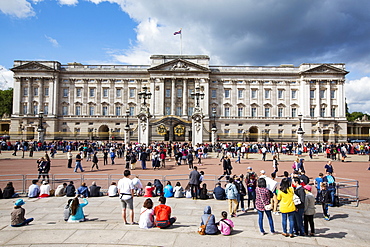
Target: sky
233,32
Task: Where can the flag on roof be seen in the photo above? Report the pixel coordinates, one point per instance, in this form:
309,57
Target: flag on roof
178,32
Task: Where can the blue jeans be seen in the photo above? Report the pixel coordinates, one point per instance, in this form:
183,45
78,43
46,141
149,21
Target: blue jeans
285,217
269,217
78,165
298,222
332,194
23,223
252,196
241,201
143,164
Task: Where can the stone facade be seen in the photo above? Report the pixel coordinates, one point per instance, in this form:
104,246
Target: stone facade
252,103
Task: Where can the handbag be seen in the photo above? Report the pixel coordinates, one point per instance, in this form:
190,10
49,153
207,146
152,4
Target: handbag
296,199
268,207
202,228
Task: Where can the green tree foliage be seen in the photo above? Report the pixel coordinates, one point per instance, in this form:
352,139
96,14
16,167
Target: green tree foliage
6,102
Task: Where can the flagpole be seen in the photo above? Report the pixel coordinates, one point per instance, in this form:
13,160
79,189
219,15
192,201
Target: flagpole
181,42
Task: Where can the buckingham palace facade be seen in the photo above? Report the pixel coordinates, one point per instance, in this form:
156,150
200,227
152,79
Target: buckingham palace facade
243,103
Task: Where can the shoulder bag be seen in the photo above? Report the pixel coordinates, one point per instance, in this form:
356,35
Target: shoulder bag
202,228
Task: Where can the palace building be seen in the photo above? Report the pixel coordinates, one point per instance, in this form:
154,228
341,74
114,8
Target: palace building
240,103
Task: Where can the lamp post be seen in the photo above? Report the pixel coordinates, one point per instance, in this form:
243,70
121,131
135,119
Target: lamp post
214,127
197,94
40,127
143,117
127,127
300,131
144,94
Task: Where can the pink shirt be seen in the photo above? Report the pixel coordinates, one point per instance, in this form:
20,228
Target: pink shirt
224,228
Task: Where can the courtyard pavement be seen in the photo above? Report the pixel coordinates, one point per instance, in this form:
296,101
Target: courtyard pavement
349,225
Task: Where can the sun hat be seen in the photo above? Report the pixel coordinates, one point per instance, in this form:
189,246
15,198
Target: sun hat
19,202
307,187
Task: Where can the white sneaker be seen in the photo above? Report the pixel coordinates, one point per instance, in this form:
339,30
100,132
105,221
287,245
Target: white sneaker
276,213
255,210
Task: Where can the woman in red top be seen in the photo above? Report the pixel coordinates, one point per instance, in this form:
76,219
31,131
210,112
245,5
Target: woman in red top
149,189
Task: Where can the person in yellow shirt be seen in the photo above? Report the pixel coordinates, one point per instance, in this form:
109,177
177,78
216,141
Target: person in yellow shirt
287,207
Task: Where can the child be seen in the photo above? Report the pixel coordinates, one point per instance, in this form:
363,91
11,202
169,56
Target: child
225,225
188,191
309,211
17,216
147,215
325,199
318,182
149,190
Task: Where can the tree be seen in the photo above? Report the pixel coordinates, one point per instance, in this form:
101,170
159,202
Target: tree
6,102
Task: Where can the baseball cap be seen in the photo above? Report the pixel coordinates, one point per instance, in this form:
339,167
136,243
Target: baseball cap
249,168
307,187
19,202
262,171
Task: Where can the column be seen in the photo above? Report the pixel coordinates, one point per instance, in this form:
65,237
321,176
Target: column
317,95
29,103
185,98
173,98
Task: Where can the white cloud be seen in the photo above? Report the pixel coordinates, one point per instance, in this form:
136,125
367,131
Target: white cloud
54,42
17,8
68,2
357,95
6,78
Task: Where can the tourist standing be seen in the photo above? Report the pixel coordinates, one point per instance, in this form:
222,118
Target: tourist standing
78,162
126,192
194,182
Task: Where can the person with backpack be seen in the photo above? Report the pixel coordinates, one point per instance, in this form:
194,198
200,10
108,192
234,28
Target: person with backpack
162,214
331,187
232,197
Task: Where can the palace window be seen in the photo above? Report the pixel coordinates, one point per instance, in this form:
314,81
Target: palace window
254,93
213,93
312,94
312,112
65,92
78,92
36,91
267,112
105,92
178,111
46,92
322,112
118,92
91,110
322,93
92,92
118,111
254,112
240,111
240,93
65,110
227,93
267,93
25,91
78,110
280,93
105,110
167,110
294,112
332,94
132,92
168,93
332,112
294,94
179,92
227,112
280,112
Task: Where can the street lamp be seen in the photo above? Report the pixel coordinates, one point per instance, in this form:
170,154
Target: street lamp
127,127
197,94
214,127
300,131
40,127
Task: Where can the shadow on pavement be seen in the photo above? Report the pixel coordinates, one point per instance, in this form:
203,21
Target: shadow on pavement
333,235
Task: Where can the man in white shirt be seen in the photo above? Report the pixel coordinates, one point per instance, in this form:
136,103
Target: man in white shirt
126,195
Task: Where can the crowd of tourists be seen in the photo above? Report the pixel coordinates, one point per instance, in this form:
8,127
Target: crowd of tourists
292,198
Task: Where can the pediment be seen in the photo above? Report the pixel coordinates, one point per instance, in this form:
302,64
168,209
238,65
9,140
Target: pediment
179,65
33,66
325,69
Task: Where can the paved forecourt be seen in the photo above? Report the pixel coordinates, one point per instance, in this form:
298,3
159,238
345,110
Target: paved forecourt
348,225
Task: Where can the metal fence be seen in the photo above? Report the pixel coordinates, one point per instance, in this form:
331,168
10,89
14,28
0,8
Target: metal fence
347,189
